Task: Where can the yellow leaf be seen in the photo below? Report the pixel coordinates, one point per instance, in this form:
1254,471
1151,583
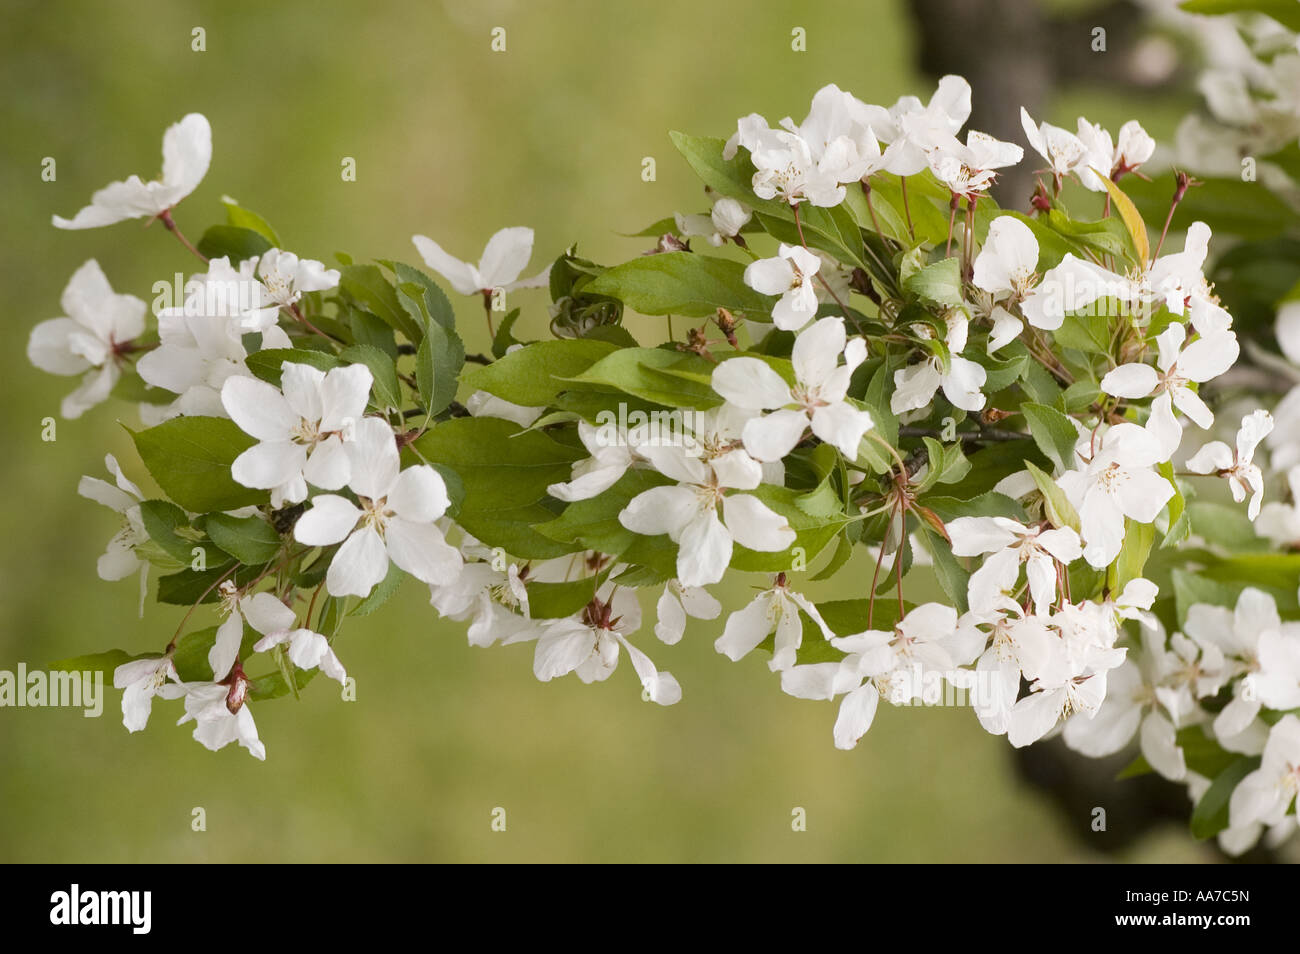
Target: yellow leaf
1132,221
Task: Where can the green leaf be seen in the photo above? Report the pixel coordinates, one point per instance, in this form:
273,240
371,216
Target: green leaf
822,501
240,217
250,540
387,390
434,306
161,520
1211,813
952,576
843,551
229,241
682,283
1056,506
985,505
1109,235
947,464
268,364
1202,752
504,336
1190,589
818,228
557,600
1285,12
1226,526
367,285
846,617
1053,432
273,685
438,364
505,471
929,222
659,375
368,329
593,524
330,618
191,656
1128,566
664,226
190,458
1086,332
1277,571
192,586
534,374
728,177
1005,370
1180,523
642,576
876,400
938,284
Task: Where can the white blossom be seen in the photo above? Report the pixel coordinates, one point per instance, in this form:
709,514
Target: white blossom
187,151
878,662
1239,468
1265,794
775,610
140,681
300,429
276,623
817,399
726,219
790,275
1010,543
960,378
687,512
89,339
1201,361
588,645
1117,482
121,558
678,602
396,520
504,259
220,714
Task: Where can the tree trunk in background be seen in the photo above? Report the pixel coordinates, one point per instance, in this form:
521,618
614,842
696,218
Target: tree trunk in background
1000,46
1016,54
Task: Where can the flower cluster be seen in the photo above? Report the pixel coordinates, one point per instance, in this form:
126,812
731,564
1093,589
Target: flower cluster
881,363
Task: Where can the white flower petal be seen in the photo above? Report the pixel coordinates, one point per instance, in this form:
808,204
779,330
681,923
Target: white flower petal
359,564
330,519
753,524
421,550
750,383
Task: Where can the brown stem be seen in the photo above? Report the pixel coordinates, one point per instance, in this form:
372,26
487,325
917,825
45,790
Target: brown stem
298,316
165,217
188,613
487,310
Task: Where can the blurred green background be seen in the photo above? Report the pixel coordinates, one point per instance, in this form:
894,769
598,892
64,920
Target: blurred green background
454,141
